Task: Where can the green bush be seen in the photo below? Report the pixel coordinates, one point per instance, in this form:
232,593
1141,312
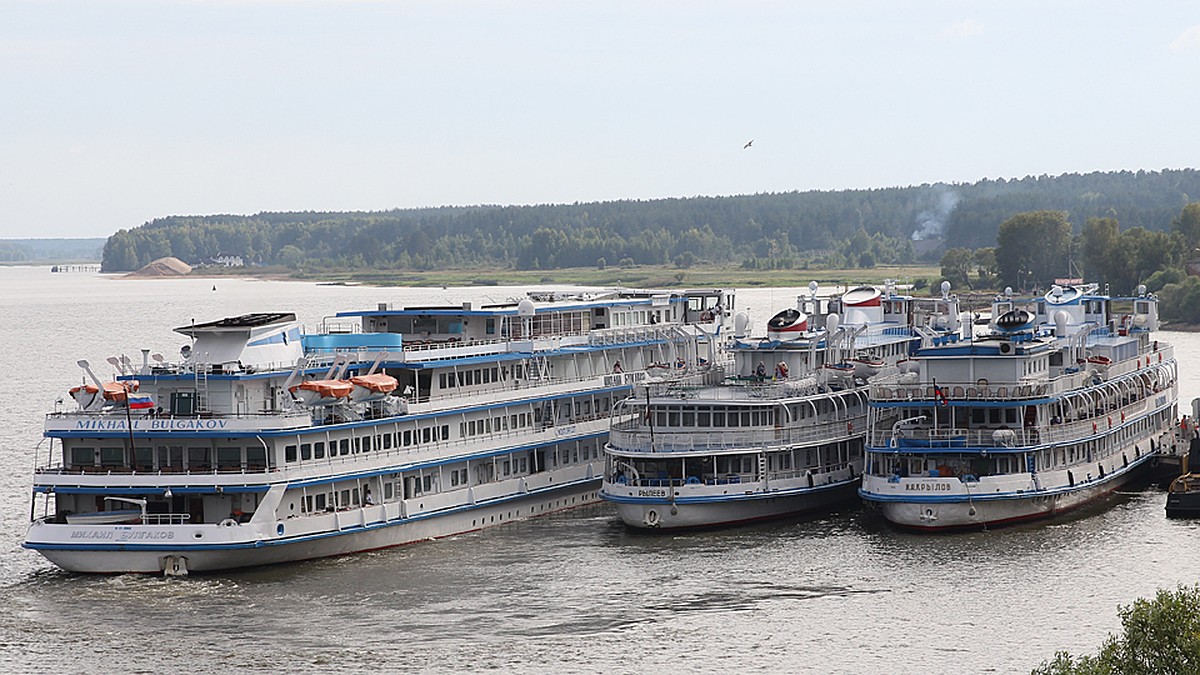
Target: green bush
1160,636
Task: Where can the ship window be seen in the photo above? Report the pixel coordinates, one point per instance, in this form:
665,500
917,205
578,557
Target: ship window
112,456
428,483
83,456
229,458
718,418
256,458
357,445
319,450
425,435
354,497
387,441
306,504
442,380
305,451
506,467
523,465
289,453
343,499
445,432
320,502
454,479
344,445
389,491
689,418
366,444
704,418
199,459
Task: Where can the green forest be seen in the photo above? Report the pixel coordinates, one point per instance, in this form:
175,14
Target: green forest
817,229
1120,229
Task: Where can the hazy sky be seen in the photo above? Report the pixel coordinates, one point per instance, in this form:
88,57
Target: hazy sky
113,113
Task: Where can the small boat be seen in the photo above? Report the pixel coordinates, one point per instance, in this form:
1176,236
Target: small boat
1183,496
120,517
111,392
322,392
866,366
843,368
372,387
790,324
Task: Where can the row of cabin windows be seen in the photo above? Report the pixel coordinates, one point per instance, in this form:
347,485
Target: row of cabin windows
494,424
468,378
958,417
428,481
171,457
688,416
347,446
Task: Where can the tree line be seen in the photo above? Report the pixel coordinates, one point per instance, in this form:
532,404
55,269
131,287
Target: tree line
856,228
1035,248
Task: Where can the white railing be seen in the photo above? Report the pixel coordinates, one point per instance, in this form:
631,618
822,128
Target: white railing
632,435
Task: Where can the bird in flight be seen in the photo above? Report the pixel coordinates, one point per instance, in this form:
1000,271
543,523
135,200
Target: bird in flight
748,144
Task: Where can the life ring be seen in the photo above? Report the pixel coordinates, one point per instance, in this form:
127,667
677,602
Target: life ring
652,518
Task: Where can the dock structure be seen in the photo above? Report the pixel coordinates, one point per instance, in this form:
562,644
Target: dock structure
75,268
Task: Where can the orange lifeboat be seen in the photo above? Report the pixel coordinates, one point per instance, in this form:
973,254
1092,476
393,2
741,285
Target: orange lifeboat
115,392
372,387
322,392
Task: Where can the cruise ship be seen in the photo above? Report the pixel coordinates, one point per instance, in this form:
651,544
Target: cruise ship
266,444
1068,398
777,429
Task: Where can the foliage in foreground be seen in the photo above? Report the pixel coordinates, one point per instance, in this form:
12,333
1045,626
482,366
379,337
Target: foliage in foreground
1159,636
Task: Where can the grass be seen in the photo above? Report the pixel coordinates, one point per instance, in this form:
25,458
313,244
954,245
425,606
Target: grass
638,276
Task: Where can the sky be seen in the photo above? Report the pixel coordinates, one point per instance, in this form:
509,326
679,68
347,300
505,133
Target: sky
113,113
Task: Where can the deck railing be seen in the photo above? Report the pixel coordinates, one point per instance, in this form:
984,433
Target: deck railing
632,434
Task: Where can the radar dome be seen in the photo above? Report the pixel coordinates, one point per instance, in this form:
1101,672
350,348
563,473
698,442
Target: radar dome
526,308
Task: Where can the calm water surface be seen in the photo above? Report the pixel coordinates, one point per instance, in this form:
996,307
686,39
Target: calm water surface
569,592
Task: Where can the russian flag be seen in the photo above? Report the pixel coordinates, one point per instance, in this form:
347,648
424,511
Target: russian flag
140,402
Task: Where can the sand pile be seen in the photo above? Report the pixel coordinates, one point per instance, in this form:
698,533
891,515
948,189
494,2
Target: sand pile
163,267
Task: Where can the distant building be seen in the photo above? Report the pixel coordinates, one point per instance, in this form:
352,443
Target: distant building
226,260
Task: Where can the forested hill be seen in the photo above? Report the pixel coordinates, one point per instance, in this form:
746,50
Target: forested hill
857,227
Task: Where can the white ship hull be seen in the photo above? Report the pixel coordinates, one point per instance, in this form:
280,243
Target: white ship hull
984,511
208,548
685,514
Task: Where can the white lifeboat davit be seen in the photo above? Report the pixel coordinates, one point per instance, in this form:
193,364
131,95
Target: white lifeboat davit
372,387
787,325
322,392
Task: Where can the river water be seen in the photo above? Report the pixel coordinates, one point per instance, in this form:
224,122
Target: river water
571,592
